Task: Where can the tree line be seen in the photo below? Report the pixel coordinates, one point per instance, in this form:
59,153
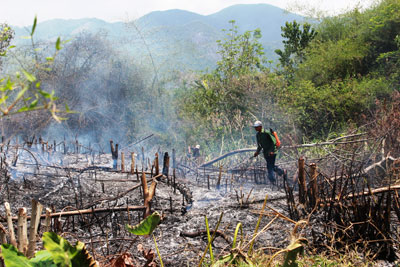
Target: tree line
331,77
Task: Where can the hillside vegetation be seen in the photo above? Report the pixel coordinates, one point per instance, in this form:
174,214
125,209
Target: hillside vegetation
330,78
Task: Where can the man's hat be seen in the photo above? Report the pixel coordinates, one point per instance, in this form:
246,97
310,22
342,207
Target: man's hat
257,124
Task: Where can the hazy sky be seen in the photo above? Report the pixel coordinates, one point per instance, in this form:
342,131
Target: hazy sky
22,12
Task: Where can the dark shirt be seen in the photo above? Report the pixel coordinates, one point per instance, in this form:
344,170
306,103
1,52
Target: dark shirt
196,152
265,142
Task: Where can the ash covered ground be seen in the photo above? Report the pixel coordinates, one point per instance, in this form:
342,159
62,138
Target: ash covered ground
81,181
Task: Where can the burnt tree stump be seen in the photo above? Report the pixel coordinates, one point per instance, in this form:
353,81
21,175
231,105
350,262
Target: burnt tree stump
114,154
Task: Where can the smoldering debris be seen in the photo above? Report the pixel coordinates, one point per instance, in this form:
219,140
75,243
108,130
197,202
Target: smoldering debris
92,202
87,197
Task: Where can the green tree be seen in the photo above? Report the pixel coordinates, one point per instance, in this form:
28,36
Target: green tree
220,90
295,43
389,64
219,106
351,63
240,54
319,110
329,61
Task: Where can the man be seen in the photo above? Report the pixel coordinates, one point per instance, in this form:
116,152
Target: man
196,151
266,141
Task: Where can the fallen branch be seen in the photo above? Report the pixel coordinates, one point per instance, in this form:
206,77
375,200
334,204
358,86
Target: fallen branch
368,193
88,211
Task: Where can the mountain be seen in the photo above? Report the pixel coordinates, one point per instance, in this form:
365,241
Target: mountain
266,17
176,38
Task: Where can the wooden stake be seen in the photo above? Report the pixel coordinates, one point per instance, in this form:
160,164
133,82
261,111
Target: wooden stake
156,164
174,175
122,162
302,182
132,163
313,185
152,190
3,236
10,225
35,219
22,231
114,153
219,177
166,165
145,195
48,220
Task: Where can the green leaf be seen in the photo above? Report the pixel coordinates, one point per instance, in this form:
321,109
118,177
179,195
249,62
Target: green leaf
82,257
209,240
58,44
238,227
68,110
21,93
23,109
63,254
45,94
8,86
58,247
295,248
43,259
29,76
14,258
33,104
34,25
147,226
50,58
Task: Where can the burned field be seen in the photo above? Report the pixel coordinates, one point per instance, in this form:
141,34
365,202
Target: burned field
91,196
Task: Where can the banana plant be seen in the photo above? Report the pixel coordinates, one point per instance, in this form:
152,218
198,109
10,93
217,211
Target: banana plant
58,252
